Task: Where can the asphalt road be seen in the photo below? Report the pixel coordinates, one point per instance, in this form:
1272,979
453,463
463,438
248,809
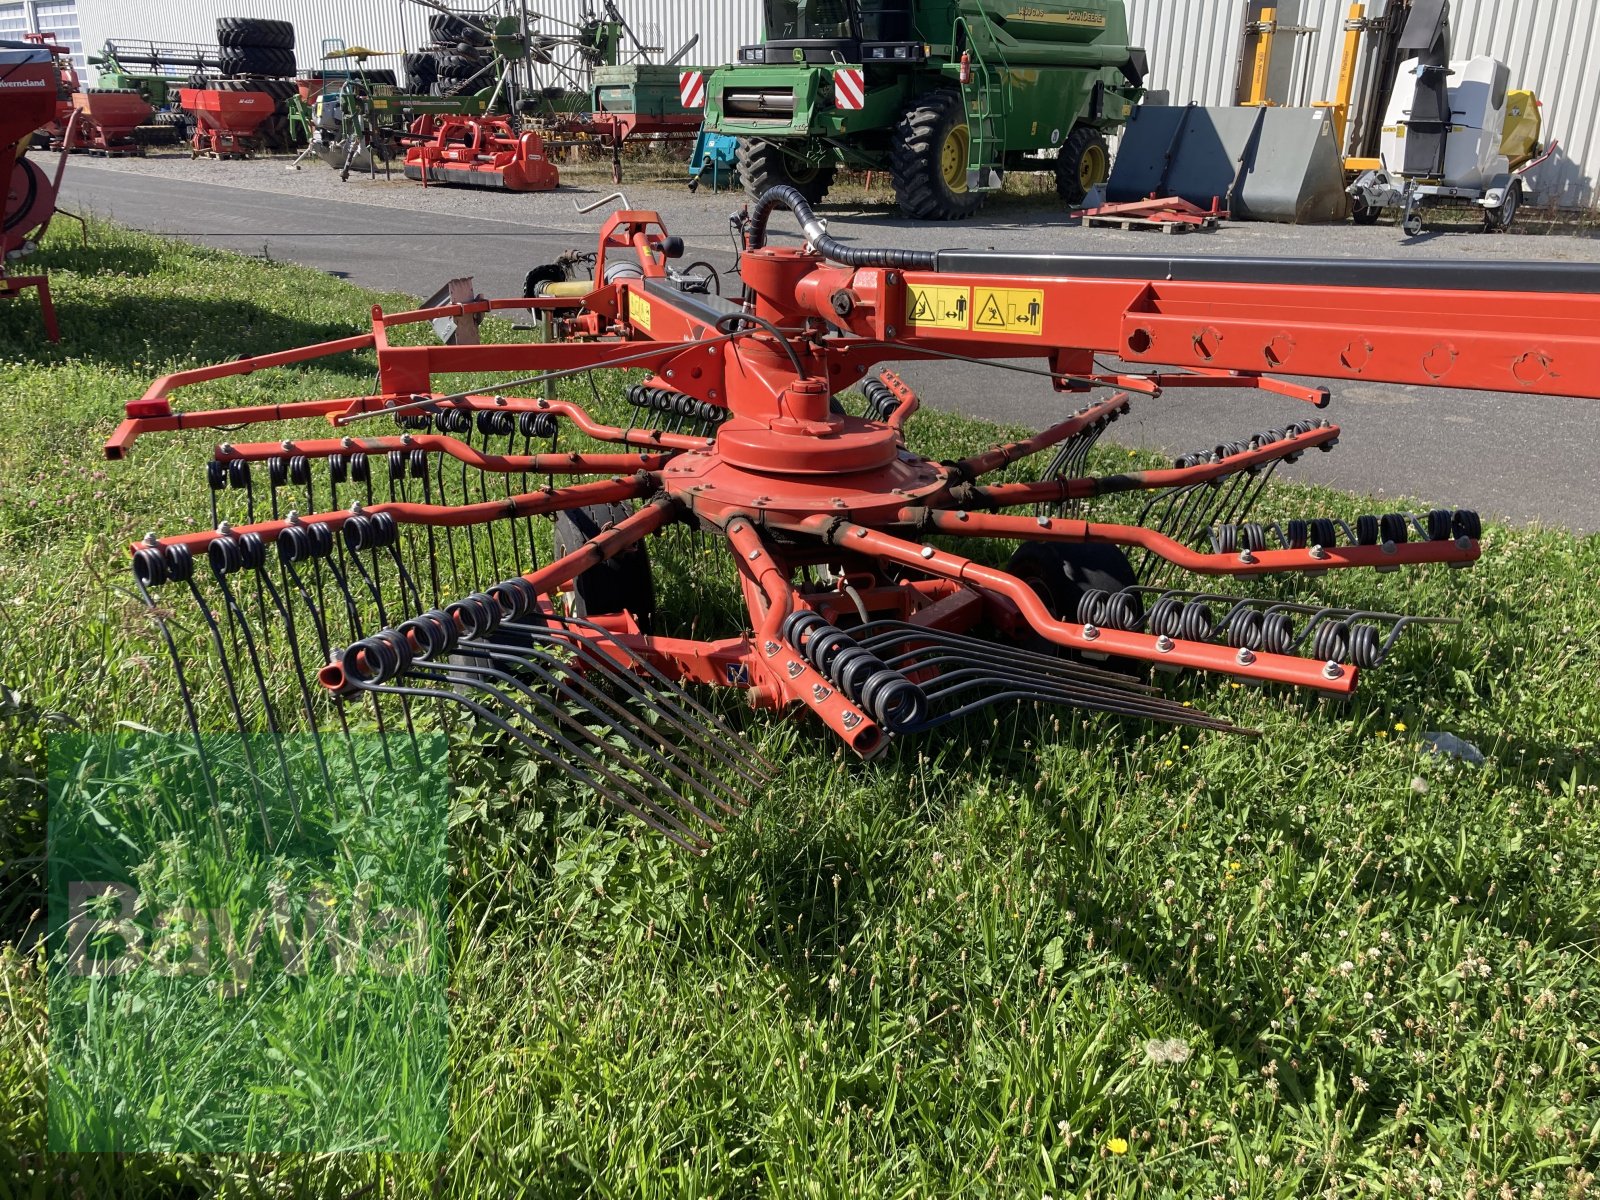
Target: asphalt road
1525,460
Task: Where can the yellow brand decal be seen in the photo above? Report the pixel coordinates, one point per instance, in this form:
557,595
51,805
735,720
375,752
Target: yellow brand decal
1008,310
939,307
380,104
1083,18
639,311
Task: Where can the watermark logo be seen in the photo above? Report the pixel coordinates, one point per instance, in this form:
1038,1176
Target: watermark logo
247,944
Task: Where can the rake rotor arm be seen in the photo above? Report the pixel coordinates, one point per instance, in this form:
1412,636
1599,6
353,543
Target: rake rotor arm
1262,562
503,464
1057,491
438,516
1201,656
787,674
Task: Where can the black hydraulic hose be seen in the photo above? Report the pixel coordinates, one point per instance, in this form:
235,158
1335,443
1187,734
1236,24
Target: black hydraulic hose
784,196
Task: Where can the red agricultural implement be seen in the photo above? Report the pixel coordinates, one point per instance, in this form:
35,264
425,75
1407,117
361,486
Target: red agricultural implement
418,583
227,124
28,102
481,152
107,119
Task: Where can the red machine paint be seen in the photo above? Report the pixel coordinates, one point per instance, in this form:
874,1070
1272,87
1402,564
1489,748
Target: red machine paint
32,84
227,124
482,152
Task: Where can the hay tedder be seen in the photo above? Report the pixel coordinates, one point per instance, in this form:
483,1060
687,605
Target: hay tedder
438,560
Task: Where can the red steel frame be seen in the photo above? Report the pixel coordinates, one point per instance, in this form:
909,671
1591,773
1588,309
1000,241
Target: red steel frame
790,483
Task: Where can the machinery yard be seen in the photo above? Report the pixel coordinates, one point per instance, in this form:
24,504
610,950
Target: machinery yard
1016,622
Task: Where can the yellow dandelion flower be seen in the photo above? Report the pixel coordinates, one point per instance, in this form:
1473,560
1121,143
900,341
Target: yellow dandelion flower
1117,1145
1383,733
1399,726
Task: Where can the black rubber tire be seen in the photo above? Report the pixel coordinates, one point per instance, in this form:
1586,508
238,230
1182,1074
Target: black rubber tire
1363,214
384,78
622,584
456,68
918,145
1500,220
257,60
764,166
1083,154
422,72
234,32
1061,574
448,29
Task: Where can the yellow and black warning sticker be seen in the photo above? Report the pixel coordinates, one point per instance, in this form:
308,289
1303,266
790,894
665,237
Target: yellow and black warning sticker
639,311
939,307
1008,310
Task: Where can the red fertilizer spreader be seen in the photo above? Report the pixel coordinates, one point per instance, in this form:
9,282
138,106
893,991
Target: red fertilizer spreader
107,119
227,124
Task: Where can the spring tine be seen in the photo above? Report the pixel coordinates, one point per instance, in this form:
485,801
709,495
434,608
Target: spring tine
631,730
492,682
759,762
657,699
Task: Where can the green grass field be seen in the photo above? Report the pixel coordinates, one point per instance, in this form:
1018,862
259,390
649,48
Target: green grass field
1044,955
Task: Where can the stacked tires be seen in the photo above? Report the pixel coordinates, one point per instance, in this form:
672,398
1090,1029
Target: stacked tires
457,59
257,55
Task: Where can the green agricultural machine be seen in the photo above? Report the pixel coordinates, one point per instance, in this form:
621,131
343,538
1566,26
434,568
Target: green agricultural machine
945,95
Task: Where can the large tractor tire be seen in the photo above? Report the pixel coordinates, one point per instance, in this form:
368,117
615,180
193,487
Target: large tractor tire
1083,164
929,159
764,166
257,60
254,31
1061,574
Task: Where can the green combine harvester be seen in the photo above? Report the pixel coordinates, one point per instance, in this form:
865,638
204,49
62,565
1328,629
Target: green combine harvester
945,95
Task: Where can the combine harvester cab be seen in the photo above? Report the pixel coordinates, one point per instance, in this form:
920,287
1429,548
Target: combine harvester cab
945,97
483,152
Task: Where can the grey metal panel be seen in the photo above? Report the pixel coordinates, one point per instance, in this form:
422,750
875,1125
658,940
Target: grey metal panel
1551,46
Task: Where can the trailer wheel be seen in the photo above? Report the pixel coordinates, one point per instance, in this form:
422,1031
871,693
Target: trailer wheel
1083,164
929,159
1498,220
1363,213
766,165
622,584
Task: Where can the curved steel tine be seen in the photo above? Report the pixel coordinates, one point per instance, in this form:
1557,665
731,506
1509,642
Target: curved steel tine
703,736
474,677
633,732
672,687
587,766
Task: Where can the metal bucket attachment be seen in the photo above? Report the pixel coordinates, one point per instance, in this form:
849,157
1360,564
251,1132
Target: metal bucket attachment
1263,164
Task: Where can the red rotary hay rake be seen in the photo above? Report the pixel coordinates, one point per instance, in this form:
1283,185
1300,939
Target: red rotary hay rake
410,576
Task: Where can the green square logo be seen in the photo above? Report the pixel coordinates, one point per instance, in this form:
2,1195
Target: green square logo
247,944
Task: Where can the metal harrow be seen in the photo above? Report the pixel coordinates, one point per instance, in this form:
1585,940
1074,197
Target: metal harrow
481,565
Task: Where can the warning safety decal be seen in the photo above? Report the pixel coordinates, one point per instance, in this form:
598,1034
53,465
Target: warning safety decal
939,307
639,311
1008,310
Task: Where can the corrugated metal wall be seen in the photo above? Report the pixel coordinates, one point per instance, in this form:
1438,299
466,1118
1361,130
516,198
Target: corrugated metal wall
396,25
1551,46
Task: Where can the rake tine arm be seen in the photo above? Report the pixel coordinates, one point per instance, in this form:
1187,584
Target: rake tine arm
1202,656
999,457
787,673
444,515
1056,491
601,548
505,464
1263,562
